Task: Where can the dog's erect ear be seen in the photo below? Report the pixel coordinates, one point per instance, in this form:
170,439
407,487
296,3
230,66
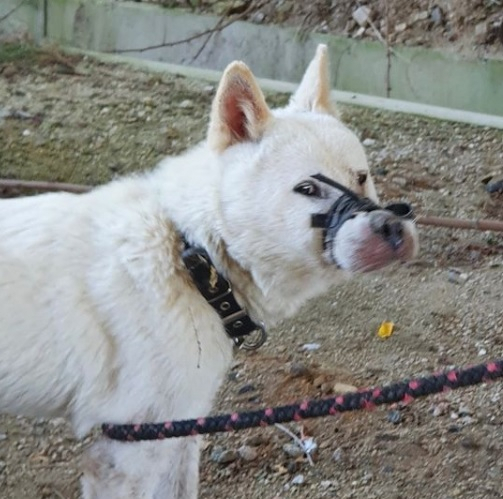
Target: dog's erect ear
313,93
239,112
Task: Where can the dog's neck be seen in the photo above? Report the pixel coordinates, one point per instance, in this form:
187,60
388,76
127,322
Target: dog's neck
267,291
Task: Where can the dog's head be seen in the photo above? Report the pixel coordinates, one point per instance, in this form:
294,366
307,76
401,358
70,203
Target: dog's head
273,166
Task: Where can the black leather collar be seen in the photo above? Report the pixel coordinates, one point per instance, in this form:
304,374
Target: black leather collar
217,291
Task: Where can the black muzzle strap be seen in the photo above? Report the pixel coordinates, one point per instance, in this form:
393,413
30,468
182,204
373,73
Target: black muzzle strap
347,206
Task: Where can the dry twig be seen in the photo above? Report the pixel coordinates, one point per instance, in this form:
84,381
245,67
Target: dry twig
14,9
220,26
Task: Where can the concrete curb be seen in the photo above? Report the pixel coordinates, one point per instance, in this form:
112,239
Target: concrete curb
393,105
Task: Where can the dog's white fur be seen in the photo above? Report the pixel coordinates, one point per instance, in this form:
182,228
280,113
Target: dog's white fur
99,321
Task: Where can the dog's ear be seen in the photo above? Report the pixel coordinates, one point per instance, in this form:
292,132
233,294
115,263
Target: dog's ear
313,93
239,112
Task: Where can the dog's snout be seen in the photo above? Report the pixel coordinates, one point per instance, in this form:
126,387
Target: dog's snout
389,227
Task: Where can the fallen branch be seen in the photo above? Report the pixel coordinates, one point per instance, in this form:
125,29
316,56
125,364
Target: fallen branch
456,223
452,223
36,185
217,28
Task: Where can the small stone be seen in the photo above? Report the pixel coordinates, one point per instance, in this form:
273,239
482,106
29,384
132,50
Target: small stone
257,17
464,410
436,15
293,450
246,389
495,187
280,469
386,437
309,347
256,440
247,453
326,388
439,409
362,15
394,416
482,352
298,480
400,28
9,71
368,142
221,456
3,436
325,484
26,133
341,388
359,33
297,369
400,181
467,420
337,455
186,104
470,443
499,31
481,30
457,277
367,478
419,16
381,171
292,467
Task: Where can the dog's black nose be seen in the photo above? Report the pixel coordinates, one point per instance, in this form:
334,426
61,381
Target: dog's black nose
388,226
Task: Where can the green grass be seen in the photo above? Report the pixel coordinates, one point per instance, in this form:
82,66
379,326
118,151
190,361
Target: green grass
15,52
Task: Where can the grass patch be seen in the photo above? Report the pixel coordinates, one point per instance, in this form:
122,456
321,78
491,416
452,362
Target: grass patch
18,52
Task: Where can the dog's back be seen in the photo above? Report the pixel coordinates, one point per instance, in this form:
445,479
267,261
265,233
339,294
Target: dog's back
33,298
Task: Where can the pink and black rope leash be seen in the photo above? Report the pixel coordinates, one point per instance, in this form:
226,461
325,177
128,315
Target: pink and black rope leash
404,391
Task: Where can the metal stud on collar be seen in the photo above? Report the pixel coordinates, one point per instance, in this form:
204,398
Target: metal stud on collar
253,340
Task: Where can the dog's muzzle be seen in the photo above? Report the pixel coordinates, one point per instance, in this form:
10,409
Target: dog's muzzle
348,205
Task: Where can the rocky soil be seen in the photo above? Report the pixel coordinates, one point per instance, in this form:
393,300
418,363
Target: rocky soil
461,25
75,120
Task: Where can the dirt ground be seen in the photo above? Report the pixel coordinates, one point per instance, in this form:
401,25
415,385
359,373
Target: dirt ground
460,25
75,120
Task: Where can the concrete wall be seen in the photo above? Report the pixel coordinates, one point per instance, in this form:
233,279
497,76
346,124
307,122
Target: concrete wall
417,75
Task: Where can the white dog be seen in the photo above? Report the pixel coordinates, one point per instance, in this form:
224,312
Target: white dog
100,319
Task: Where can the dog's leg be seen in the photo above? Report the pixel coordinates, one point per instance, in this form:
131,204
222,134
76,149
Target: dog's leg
188,481
163,469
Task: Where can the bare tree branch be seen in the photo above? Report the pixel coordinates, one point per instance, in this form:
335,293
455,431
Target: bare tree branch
220,26
5,16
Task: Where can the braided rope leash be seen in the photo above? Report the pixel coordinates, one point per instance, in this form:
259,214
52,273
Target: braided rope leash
404,391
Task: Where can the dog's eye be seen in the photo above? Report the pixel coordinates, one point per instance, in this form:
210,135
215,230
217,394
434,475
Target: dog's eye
362,178
307,188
